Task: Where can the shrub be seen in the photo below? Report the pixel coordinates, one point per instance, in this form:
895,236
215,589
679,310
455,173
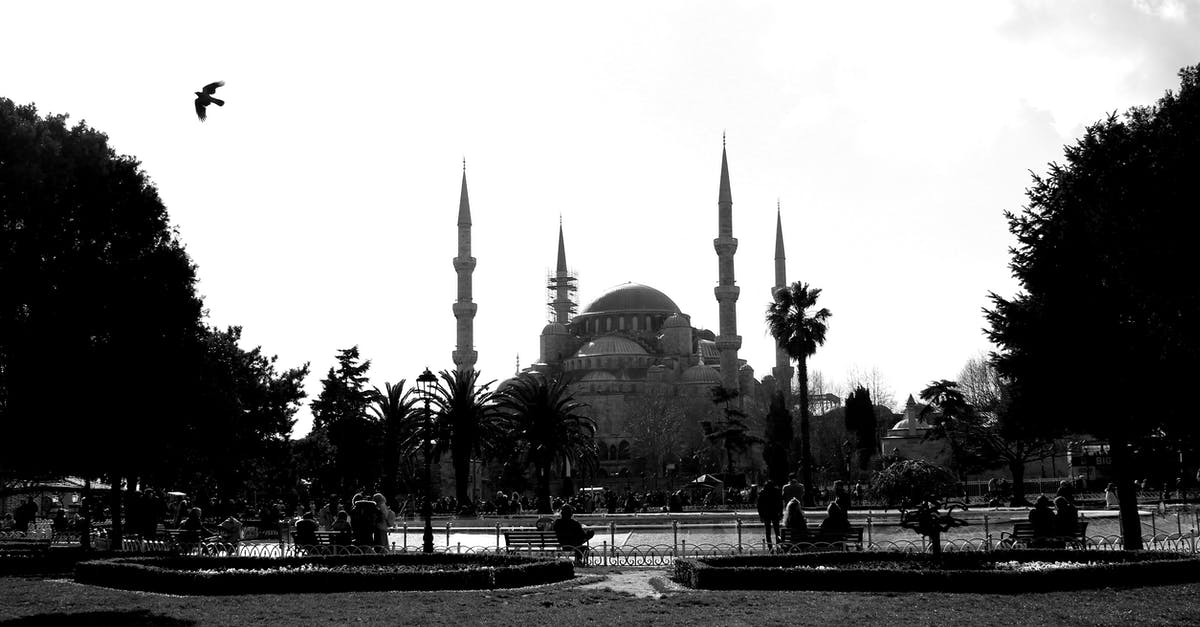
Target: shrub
953,572
343,573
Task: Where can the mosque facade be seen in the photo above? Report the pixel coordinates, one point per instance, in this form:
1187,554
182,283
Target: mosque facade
633,343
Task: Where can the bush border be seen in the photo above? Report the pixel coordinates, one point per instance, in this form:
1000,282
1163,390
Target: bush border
783,572
181,574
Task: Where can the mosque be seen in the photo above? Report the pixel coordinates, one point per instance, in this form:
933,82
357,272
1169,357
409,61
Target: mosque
633,343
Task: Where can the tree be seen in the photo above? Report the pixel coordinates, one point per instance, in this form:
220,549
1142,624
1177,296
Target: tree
239,421
982,439
731,432
393,410
655,426
799,333
875,384
547,421
341,411
99,296
861,424
1101,307
778,439
910,481
468,423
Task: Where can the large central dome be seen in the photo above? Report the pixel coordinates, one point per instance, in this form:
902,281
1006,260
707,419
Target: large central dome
632,297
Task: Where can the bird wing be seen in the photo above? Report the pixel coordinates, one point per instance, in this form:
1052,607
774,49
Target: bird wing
200,110
211,88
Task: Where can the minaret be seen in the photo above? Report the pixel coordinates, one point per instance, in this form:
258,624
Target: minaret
562,284
783,364
464,264
728,341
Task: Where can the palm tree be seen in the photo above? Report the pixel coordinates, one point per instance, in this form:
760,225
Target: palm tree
468,423
799,334
544,417
393,408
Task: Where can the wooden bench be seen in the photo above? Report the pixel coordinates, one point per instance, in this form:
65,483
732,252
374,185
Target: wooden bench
1022,535
24,547
822,540
537,541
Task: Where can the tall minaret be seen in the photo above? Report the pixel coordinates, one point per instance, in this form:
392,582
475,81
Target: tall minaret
728,341
562,284
464,264
783,364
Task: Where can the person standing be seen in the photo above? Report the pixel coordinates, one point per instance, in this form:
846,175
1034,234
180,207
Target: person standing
793,489
770,510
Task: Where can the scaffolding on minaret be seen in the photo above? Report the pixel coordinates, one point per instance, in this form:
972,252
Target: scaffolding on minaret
562,294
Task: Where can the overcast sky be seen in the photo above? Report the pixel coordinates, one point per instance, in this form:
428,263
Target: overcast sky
320,203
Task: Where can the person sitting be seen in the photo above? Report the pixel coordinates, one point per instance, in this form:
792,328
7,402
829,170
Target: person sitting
1042,519
306,531
571,534
386,520
341,525
836,518
1066,518
794,522
192,529
1110,497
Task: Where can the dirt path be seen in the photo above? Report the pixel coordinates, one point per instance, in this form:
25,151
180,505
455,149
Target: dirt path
640,582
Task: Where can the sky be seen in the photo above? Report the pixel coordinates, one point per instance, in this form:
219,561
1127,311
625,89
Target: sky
320,203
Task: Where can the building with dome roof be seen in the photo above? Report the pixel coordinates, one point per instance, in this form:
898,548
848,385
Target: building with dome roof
633,343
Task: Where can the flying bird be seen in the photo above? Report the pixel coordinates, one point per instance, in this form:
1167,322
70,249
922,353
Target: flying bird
205,97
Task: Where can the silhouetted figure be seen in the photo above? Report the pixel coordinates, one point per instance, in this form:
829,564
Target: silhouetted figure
793,519
1042,519
770,510
571,534
1066,517
836,518
205,98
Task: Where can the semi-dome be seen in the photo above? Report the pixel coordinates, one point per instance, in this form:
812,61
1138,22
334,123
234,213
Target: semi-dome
702,373
677,320
904,424
611,345
632,297
555,328
598,376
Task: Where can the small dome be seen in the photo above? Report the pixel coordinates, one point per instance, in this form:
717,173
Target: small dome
555,328
611,345
702,373
676,320
632,297
903,424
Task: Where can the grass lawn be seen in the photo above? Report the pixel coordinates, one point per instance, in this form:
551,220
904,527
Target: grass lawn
34,601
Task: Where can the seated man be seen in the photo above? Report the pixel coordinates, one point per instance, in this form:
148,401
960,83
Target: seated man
1045,533
306,531
193,530
571,534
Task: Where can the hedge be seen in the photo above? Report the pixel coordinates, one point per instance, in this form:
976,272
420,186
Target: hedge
261,575
955,572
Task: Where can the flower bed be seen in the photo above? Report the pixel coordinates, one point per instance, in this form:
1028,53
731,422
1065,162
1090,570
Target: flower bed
343,573
999,572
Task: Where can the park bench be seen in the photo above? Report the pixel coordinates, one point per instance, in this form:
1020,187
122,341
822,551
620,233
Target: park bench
536,541
24,547
1022,536
822,540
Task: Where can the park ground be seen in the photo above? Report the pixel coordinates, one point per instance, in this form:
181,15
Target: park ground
597,596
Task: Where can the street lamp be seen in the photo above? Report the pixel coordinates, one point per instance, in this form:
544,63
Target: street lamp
425,383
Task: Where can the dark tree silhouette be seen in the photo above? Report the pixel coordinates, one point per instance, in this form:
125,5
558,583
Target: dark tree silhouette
98,299
778,438
341,410
860,423
800,333
468,423
550,427
1104,254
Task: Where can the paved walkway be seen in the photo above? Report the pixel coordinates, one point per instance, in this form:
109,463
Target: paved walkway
639,582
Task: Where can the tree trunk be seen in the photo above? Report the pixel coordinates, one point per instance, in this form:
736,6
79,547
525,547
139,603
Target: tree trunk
115,535
462,472
805,445
1017,469
543,491
1131,525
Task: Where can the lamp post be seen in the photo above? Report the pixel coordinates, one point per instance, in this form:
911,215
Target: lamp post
426,382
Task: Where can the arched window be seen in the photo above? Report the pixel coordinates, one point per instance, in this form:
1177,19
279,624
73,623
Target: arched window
603,452
623,450
633,321
649,326
612,451
608,324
